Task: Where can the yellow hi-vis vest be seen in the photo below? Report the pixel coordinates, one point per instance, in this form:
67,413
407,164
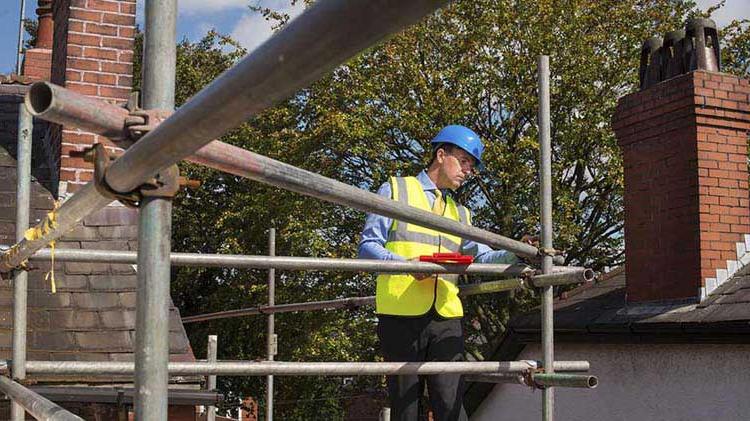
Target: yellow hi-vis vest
402,294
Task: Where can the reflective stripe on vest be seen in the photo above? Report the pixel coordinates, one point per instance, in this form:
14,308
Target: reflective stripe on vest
402,294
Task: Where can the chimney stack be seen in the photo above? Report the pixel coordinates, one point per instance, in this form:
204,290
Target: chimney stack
38,60
684,146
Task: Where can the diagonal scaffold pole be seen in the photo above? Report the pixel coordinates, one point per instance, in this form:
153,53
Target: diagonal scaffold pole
59,105
35,404
324,36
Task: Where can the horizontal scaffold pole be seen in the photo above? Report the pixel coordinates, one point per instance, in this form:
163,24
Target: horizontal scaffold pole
324,36
35,404
352,302
538,380
279,368
562,274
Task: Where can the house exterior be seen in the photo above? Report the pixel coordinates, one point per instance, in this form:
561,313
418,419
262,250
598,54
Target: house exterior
668,335
85,46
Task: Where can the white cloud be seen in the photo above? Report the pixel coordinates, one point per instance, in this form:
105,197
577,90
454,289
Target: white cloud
252,29
733,9
210,6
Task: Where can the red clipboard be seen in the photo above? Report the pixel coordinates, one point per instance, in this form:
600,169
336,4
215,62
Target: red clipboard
456,258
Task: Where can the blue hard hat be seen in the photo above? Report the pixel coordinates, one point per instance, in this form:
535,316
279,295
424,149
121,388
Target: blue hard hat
464,138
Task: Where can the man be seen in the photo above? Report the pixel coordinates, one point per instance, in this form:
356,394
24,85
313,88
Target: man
419,314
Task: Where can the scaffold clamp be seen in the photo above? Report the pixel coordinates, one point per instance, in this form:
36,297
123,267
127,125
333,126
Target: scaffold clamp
164,184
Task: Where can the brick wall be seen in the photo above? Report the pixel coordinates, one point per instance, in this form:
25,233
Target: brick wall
684,146
92,55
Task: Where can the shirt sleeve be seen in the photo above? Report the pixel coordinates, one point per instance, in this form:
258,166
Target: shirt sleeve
484,254
375,233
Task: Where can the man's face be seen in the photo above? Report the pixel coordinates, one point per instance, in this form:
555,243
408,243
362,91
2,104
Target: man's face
456,165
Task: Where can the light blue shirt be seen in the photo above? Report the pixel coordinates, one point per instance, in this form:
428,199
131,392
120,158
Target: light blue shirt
375,233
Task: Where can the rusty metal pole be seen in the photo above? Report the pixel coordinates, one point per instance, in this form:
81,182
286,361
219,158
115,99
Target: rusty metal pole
272,339
155,226
545,203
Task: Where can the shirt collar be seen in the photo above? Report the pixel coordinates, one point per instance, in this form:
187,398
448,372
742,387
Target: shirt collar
425,181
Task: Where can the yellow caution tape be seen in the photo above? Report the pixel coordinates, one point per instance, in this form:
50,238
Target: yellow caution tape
51,274
40,231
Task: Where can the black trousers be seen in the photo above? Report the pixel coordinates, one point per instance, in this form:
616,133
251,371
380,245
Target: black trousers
423,338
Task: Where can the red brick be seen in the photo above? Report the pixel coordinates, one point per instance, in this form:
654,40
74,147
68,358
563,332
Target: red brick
95,28
128,8
125,81
112,92
82,64
125,56
67,175
100,78
85,176
729,166
67,162
76,26
121,43
727,148
729,201
118,19
704,92
82,88
86,15
84,39
81,138
103,5
126,32
121,68
100,53
75,51
728,183
72,76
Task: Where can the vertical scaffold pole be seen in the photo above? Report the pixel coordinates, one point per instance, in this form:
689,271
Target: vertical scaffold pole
545,203
155,226
272,341
19,52
213,344
20,280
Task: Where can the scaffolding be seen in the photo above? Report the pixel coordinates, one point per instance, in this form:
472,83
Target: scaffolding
323,37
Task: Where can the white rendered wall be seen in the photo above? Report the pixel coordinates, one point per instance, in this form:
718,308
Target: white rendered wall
637,382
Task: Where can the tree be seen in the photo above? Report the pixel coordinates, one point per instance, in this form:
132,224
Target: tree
472,63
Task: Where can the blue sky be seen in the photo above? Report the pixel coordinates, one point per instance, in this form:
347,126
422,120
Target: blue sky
233,17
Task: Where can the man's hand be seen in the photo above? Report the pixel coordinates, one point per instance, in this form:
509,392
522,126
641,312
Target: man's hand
420,276
531,239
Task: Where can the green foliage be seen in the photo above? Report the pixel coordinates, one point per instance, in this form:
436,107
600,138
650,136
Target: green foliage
735,53
31,27
473,63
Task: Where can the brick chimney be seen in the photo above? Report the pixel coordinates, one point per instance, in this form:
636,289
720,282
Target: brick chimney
37,61
684,146
92,55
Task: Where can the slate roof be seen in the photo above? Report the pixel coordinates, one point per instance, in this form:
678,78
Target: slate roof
92,315
599,312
